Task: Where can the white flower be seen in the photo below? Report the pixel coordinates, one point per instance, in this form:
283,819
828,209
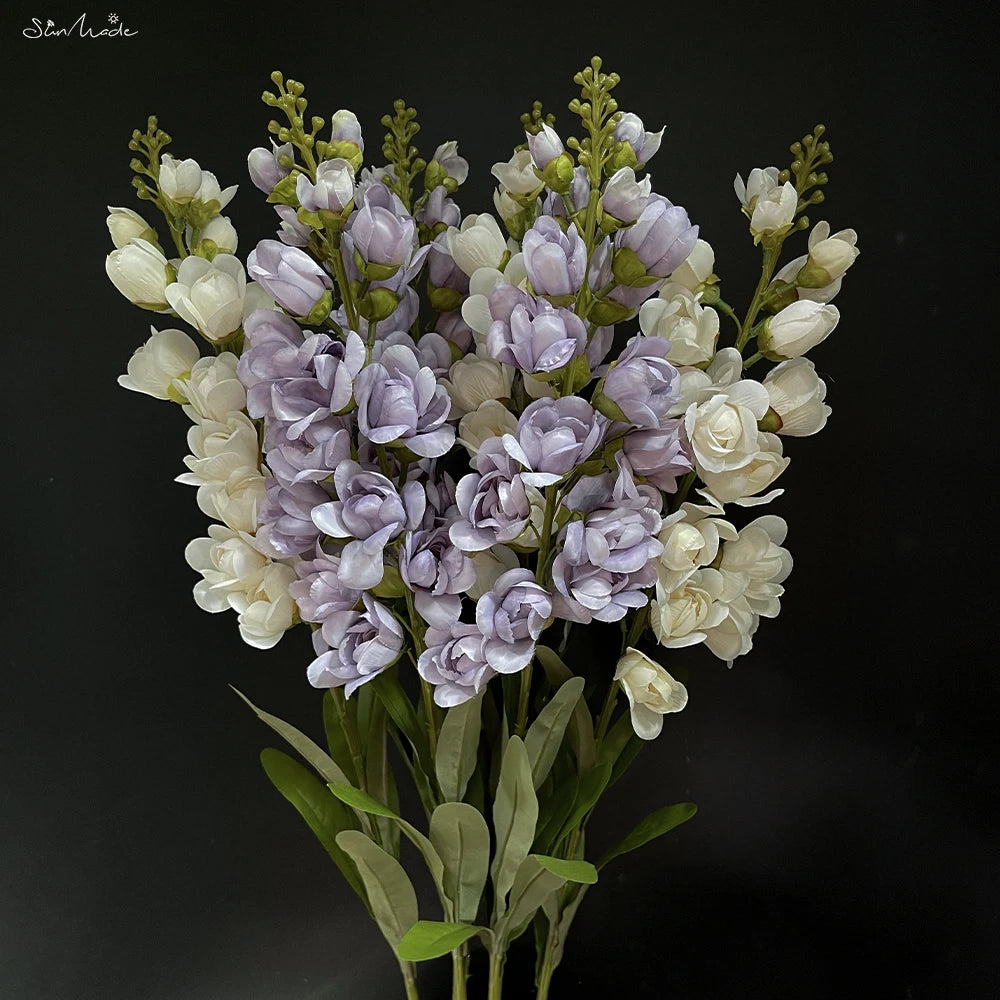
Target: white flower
733,636
769,204
235,499
678,317
696,270
722,430
790,272
476,307
797,328
518,175
474,380
267,612
479,243
829,256
757,558
213,390
490,419
230,564
508,209
209,294
797,393
167,355
490,565
216,446
741,485
650,690
220,231
141,273
209,190
681,615
179,180
690,540
126,225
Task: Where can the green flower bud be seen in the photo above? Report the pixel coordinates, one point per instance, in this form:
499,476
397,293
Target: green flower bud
630,270
558,174
607,312
378,304
321,309
770,422
284,192
375,272
444,299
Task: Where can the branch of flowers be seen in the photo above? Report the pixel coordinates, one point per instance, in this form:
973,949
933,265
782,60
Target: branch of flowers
726,309
771,254
752,360
340,272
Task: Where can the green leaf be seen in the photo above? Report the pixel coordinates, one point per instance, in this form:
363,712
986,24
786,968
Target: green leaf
378,773
515,813
432,938
591,786
462,839
543,739
457,747
581,727
532,884
561,913
325,816
390,891
570,871
554,808
390,692
336,738
654,825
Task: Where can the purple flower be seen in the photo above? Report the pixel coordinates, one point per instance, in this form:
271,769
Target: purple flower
660,455
530,334
439,210
437,572
370,512
578,195
493,503
291,232
431,351
641,385
285,516
364,644
511,617
624,197
554,436
545,146
382,232
455,663
455,330
344,127
318,591
313,456
443,272
644,144
556,261
662,237
333,189
265,170
289,275
401,403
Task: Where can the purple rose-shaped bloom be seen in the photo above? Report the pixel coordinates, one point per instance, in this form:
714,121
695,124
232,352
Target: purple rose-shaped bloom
400,402
455,663
530,334
372,513
544,146
289,275
641,384
431,351
662,237
624,197
439,210
660,455
455,330
364,644
437,572
493,503
291,232
333,189
381,230
318,591
554,436
312,457
644,144
442,271
285,516
265,170
511,617
556,261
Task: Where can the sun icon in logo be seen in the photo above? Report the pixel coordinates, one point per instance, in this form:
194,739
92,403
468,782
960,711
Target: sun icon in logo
112,18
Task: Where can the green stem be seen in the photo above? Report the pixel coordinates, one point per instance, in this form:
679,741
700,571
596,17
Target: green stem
606,713
178,242
426,690
372,325
728,310
343,284
409,971
752,360
459,973
767,269
350,731
496,975
548,963
522,704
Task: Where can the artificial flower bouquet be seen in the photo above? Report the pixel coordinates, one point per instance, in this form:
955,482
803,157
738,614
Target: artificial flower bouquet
448,451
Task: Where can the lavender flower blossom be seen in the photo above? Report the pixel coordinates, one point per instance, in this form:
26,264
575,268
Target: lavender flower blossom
318,591
530,334
511,617
554,436
556,261
431,351
455,663
437,572
661,239
545,146
641,386
291,277
400,402
383,234
624,197
364,644
578,196
371,513
644,144
291,232
452,326
344,127
660,455
333,190
285,517
264,167
439,211
313,456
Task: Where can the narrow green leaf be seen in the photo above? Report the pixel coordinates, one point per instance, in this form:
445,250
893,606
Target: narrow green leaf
361,800
570,871
591,786
561,913
390,692
457,747
462,839
554,809
581,727
428,939
336,738
543,739
654,825
393,899
532,884
515,813
325,816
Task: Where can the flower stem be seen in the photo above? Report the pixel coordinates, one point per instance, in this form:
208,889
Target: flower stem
409,971
459,973
496,975
548,963
522,704
350,731
767,269
343,284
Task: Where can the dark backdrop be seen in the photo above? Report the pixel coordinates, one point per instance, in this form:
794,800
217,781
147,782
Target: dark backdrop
846,770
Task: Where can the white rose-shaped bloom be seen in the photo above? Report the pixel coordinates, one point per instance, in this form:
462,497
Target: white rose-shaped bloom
741,485
267,612
733,636
797,328
650,690
696,270
126,225
209,190
829,256
230,565
179,180
490,565
220,231
756,558
722,430
680,616
217,446
677,316
474,380
476,307
518,175
490,419
141,273
770,204
479,243
167,355
209,294
213,390
797,393
690,543
791,271
235,499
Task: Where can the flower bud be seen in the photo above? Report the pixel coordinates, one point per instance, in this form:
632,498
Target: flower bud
650,690
624,197
141,273
126,225
209,294
829,256
796,329
797,393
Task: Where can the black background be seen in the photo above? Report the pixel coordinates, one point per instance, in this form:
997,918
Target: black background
846,771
